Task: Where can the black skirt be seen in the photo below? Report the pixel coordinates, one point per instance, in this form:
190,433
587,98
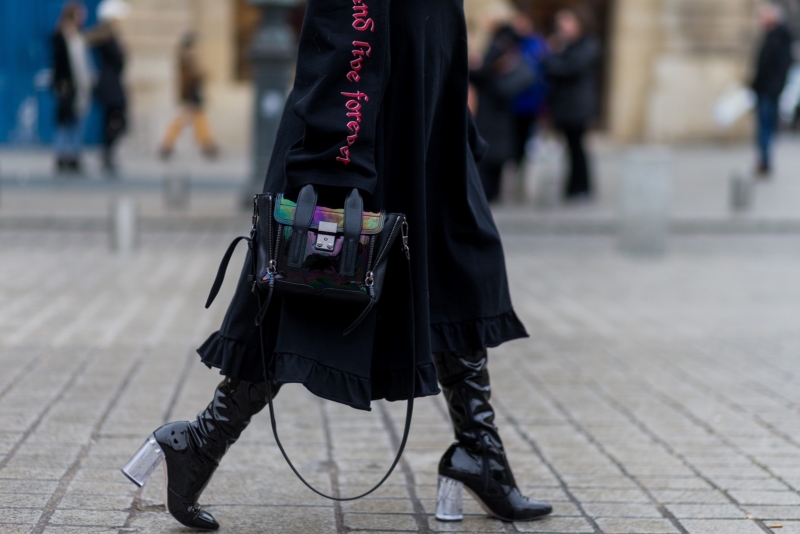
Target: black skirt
401,71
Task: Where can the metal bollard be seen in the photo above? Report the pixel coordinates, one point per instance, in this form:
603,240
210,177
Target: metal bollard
645,201
548,192
176,191
124,225
741,191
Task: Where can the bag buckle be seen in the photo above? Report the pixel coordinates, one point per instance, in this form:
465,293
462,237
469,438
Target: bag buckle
326,236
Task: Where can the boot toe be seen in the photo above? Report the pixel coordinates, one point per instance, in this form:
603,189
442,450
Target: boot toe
199,519
514,507
533,510
205,521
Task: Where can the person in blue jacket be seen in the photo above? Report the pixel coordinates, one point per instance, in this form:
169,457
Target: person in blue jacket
528,106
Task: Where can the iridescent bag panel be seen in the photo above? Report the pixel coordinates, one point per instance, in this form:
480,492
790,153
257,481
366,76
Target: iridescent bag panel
336,258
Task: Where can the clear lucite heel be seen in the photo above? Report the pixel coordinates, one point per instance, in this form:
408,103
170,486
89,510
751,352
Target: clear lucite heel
449,500
141,465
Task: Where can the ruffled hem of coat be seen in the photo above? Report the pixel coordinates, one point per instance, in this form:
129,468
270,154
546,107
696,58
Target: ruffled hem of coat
240,360
232,357
352,390
476,334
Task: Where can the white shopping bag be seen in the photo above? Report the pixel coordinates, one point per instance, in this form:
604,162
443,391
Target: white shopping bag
736,102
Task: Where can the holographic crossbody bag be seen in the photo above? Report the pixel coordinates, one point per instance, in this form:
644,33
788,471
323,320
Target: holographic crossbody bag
302,250
308,250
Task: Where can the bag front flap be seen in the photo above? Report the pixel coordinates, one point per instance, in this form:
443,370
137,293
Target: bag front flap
371,223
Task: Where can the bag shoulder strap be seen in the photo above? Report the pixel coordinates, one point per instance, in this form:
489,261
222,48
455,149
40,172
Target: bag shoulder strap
409,409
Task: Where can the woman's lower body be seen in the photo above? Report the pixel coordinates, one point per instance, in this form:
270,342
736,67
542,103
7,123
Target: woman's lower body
194,116
476,461
68,145
579,181
767,115
491,178
114,124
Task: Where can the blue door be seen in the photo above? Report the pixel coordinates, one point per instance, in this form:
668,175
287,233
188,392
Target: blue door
27,107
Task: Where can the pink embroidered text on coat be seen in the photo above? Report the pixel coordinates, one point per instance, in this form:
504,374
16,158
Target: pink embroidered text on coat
362,23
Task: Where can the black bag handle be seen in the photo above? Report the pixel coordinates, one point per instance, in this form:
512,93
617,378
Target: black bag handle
409,408
353,220
303,216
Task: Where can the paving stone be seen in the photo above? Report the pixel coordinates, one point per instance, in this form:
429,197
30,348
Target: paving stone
721,526
610,495
633,526
779,498
468,524
104,518
83,501
750,484
23,500
565,525
379,506
689,497
14,485
774,512
786,527
19,515
382,522
705,511
621,510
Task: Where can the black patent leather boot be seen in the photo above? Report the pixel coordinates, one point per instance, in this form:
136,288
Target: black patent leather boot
192,451
477,461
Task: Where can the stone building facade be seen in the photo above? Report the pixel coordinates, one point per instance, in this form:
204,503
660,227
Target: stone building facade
666,63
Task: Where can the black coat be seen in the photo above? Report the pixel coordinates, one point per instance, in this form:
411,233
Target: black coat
415,154
572,82
109,90
773,62
63,82
496,92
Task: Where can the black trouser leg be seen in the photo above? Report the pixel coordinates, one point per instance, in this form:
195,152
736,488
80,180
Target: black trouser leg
579,181
114,124
491,178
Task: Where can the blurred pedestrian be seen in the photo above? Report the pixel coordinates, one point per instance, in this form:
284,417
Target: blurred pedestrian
499,78
570,69
110,91
773,61
528,106
72,85
190,92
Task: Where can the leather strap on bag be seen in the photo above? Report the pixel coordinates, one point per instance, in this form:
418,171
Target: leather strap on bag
303,217
353,210
223,266
409,409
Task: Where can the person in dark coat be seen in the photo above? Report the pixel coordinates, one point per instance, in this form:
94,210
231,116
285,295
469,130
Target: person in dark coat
400,68
72,82
772,67
573,93
501,77
110,92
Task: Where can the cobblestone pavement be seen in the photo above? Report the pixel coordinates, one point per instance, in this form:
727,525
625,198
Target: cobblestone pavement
653,397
